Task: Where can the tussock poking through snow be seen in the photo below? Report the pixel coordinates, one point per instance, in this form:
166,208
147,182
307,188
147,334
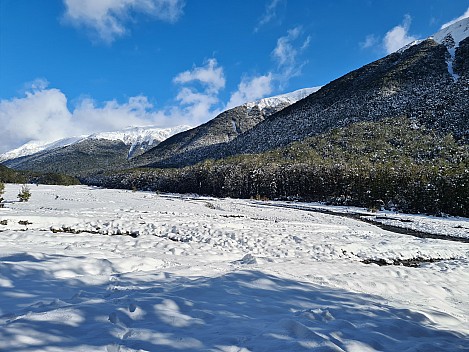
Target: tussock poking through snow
107,270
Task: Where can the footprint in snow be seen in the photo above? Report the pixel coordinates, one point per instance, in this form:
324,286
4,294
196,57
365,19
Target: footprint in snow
132,307
113,318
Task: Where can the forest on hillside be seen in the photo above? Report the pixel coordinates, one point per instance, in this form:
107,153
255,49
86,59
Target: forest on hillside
391,164
8,175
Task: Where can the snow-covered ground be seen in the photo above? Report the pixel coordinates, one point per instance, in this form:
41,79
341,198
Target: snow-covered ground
452,228
111,270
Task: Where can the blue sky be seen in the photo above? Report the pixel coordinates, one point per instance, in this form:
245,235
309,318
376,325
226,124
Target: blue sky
71,67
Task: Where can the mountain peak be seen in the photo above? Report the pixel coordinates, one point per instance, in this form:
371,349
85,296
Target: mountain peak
282,99
134,137
452,35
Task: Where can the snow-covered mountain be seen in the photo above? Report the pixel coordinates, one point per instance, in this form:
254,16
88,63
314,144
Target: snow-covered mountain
141,145
138,139
34,147
283,99
458,31
428,82
197,142
451,37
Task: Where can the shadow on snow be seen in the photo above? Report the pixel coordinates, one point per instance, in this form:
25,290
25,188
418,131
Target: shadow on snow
240,311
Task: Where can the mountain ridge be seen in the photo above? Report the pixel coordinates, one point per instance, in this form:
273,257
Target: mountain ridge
126,145
221,129
415,82
135,137
418,82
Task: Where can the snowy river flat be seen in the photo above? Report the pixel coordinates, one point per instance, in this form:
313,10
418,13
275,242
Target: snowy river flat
87,269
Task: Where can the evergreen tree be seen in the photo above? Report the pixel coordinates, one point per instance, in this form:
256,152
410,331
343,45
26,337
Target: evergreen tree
24,194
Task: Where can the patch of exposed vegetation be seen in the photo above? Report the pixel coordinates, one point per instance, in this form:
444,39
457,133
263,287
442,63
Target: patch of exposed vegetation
412,262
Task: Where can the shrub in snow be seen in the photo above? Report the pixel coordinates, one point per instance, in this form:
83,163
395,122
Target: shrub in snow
24,194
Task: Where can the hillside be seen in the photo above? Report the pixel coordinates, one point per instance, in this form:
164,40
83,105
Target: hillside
394,163
86,154
81,156
224,128
417,82
427,82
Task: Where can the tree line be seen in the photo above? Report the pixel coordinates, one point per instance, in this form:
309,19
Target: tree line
392,164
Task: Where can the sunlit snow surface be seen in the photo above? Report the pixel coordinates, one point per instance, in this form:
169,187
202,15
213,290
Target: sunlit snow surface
209,274
283,99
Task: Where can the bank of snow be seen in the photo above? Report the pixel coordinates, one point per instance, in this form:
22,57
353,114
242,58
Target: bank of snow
203,274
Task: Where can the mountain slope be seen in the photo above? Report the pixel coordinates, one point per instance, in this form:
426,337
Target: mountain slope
223,128
393,163
80,155
427,81
116,150
416,82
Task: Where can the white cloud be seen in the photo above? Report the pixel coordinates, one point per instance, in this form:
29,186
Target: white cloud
270,13
399,36
210,75
465,15
286,54
250,89
91,117
195,106
42,113
198,95
106,19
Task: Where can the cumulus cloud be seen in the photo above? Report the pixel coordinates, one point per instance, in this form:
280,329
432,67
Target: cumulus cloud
286,56
270,13
287,51
198,93
250,89
106,19
90,116
42,114
465,15
210,75
399,36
